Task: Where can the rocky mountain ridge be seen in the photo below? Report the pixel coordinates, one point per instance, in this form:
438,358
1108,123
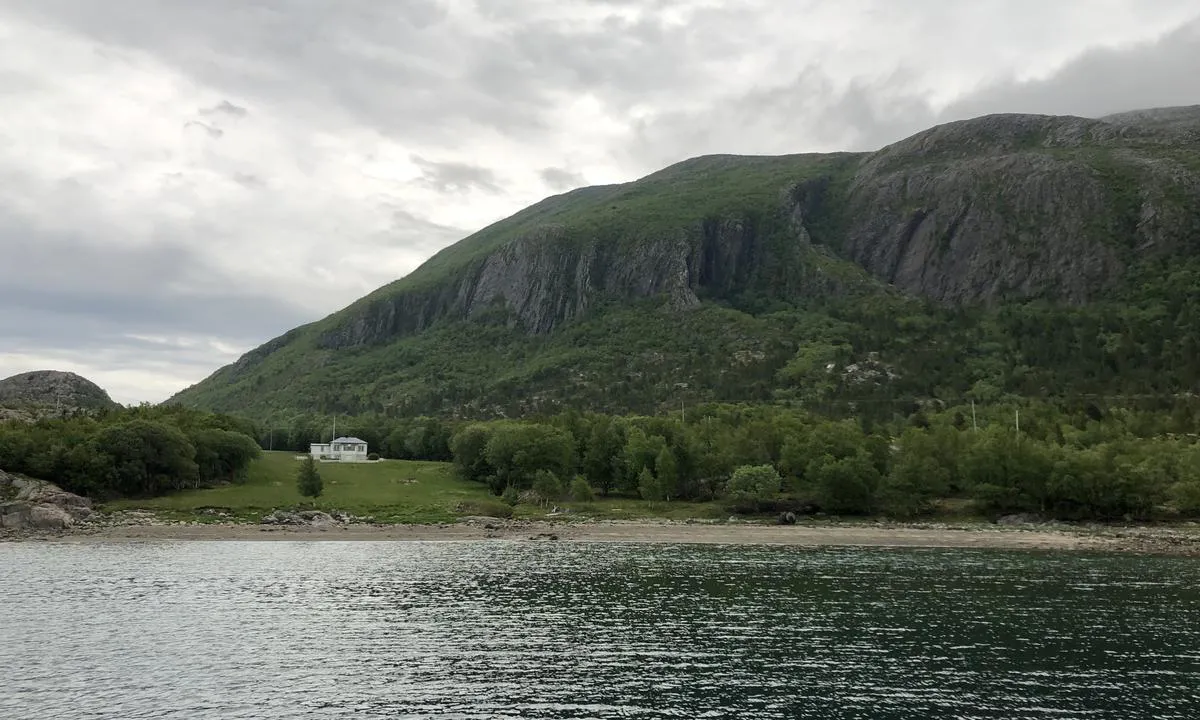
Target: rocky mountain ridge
52,389
977,213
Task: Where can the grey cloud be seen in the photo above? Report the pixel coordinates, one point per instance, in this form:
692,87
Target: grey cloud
809,112
456,177
1102,81
69,292
211,131
399,67
558,179
249,180
409,69
225,108
868,114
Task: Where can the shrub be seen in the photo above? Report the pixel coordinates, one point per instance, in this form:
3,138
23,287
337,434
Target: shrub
373,457
581,491
1186,497
511,495
753,483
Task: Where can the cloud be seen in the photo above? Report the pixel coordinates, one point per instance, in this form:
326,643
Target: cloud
226,108
1157,73
455,177
560,179
182,181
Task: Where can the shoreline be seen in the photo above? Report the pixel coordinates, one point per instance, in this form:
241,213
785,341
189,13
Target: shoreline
1179,541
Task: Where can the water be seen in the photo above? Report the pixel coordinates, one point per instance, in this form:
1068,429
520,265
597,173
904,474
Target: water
492,629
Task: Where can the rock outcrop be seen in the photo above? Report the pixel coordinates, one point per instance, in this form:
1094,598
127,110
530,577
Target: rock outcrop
1023,206
28,504
52,388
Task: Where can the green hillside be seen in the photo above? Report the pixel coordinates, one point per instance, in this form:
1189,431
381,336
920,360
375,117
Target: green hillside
1008,255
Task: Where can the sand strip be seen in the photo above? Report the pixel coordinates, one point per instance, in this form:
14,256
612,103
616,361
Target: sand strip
1154,540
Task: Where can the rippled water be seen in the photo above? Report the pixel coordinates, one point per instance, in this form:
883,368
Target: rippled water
496,629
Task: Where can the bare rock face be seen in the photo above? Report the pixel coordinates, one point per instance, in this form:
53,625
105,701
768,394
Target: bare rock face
1018,206
977,211
53,388
28,504
553,275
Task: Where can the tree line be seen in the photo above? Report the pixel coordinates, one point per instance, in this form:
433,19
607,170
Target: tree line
131,452
1070,463
1071,466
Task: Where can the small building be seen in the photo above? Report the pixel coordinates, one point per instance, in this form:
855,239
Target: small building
343,449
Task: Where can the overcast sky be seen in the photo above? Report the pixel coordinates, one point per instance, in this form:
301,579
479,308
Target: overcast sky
181,181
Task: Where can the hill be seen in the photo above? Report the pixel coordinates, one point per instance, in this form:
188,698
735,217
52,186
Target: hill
1024,254
52,389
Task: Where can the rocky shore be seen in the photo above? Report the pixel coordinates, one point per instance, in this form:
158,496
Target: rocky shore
312,525
28,505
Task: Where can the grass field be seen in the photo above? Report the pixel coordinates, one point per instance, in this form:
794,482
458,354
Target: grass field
390,491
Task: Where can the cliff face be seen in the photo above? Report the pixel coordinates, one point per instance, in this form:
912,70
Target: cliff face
1020,206
554,274
980,212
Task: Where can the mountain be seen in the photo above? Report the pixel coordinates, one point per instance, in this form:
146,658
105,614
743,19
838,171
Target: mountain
1024,254
51,388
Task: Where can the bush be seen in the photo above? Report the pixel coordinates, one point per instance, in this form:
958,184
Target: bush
373,457
581,491
511,495
1186,497
847,485
752,483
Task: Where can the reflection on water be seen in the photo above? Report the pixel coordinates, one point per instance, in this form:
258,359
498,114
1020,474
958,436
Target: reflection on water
496,629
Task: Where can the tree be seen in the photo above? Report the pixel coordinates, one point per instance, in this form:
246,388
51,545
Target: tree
919,476
581,490
649,486
517,451
602,454
469,447
753,483
147,458
223,455
845,485
548,486
308,480
666,469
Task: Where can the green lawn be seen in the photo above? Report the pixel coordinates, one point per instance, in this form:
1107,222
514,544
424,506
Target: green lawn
391,491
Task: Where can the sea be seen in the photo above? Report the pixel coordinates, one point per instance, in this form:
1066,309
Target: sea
510,629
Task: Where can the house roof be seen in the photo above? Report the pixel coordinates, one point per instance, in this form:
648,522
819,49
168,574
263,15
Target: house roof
352,440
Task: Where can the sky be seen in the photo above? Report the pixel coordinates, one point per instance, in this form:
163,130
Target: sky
182,181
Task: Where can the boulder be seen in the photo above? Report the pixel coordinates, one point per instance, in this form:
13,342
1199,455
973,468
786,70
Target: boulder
23,515
38,505
315,518
787,518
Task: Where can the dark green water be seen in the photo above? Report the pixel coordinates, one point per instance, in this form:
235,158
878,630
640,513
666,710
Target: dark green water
492,629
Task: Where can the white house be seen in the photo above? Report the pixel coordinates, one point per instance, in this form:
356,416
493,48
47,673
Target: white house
343,449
